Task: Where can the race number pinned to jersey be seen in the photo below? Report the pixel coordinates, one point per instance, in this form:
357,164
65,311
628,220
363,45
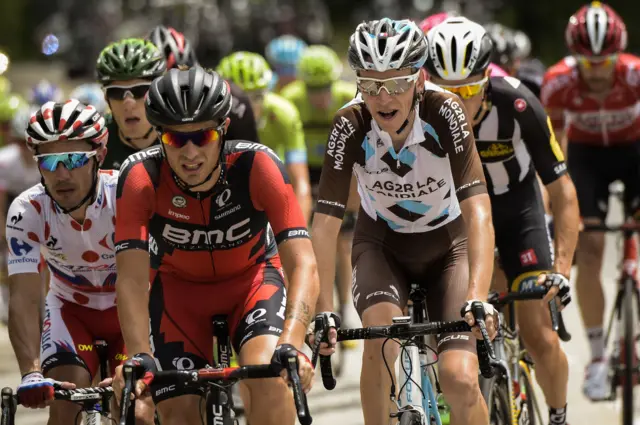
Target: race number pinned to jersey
528,258
520,104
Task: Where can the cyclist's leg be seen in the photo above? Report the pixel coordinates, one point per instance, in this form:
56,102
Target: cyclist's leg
256,326
66,352
457,359
525,250
379,294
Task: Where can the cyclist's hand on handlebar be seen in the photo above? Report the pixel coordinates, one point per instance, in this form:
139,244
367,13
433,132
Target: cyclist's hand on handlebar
148,369
332,321
491,320
36,392
558,285
306,373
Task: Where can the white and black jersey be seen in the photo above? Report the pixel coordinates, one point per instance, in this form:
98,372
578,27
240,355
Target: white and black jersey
515,138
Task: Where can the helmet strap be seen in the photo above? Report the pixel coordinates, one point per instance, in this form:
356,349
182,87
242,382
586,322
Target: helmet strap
132,139
187,187
414,103
90,196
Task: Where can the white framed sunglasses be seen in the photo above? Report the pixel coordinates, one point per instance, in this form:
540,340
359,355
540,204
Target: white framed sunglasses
137,91
394,85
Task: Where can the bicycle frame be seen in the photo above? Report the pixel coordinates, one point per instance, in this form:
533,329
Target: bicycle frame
219,402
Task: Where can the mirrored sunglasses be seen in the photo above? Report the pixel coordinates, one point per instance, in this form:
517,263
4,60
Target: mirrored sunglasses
70,160
137,91
467,91
200,138
589,62
393,86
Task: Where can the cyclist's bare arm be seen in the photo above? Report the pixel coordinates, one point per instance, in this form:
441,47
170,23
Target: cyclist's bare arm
476,212
132,289
566,216
24,330
302,293
324,235
299,174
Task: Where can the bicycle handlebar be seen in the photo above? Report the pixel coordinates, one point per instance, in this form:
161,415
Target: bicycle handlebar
185,378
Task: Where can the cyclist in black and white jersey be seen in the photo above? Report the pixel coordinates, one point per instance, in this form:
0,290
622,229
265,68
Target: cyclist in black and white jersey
515,140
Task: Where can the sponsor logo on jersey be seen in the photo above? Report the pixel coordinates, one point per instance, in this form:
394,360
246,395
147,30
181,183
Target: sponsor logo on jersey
495,151
407,190
560,168
153,245
140,156
331,203
19,247
52,243
520,105
611,120
46,331
223,198
179,201
228,212
458,125
14,220
178,215
255,147
298,233
342,130
528,258
198,240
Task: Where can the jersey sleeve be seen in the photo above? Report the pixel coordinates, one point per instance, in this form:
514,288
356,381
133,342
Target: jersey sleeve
295,148
339,157
243,122
552,96
271,191
24,233
135,203
454,133
632,76
537,132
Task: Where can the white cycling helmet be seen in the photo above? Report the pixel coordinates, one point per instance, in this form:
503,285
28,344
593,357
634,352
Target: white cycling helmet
71,120
90,94
458,49
387,44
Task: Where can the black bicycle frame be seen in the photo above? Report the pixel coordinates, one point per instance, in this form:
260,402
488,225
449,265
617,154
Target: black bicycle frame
219,402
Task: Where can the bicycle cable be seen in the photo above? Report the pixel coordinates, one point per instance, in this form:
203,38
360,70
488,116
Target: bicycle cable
408,373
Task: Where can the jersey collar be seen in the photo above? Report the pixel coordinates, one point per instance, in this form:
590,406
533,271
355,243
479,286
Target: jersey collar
415,136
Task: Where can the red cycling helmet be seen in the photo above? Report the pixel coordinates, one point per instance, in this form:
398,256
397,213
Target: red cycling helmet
596,30
172,43
433,20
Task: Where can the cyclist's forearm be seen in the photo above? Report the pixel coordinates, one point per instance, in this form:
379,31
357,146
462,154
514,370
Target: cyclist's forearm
566,217
133,314
302,296
476,211
24,331
299,174
324,245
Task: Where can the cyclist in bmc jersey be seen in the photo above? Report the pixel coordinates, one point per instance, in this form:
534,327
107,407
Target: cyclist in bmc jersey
279,125
425,215
515,140
70,218
318,94
211,219
592,98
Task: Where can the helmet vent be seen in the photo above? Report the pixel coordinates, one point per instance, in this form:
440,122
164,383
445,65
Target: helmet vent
467,55
454,53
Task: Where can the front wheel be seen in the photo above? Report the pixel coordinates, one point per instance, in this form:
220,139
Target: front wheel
499,403
410,418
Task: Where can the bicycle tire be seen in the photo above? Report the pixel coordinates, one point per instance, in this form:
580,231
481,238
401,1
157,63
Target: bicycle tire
499,403
526,384
628,352
410,418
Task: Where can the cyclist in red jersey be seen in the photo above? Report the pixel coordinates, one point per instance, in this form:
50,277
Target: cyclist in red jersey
212,219
592,100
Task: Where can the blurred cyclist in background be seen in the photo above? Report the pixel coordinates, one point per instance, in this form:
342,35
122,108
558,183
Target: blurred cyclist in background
18,172
437,18
91,94
279,125
283,54
125,69
9,105
5,86
44,92
319,94
592,100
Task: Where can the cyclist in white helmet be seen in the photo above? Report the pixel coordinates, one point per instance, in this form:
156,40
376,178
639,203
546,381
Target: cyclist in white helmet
70,219
425,214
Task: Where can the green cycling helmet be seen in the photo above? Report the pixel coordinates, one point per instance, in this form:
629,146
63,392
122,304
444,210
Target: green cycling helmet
130,59
248,70
9,105
5,86
319,66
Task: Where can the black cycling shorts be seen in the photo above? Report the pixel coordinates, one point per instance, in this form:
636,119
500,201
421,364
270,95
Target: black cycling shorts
594,168
522,235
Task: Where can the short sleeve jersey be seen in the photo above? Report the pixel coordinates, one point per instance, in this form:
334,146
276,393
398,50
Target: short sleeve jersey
207,237
280,129
416,189
81,257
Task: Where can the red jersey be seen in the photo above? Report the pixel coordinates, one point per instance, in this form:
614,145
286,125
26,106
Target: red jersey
207,236
614,120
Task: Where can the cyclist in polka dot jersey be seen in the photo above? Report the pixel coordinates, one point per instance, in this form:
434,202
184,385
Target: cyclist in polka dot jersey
70,218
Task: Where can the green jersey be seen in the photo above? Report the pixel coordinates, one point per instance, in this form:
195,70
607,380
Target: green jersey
280,128
315,122
117,151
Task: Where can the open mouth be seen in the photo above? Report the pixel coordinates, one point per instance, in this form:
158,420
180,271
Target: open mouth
192,167
132,120
389,115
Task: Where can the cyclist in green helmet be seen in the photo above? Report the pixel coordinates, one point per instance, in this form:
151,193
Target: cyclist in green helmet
9,105
125,69
279,125
5,86
318,93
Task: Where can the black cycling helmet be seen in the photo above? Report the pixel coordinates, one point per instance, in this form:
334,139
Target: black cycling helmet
174,45
188,96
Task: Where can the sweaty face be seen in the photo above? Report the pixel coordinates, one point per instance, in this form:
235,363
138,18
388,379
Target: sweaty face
129,112
68,187
598,77
473,103
390,111
193,163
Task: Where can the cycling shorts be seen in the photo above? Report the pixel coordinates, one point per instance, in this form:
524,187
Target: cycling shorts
594,168
181,315
386,263
68,334
522,235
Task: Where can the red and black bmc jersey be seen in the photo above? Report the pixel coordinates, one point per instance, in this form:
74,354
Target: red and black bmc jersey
209,236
